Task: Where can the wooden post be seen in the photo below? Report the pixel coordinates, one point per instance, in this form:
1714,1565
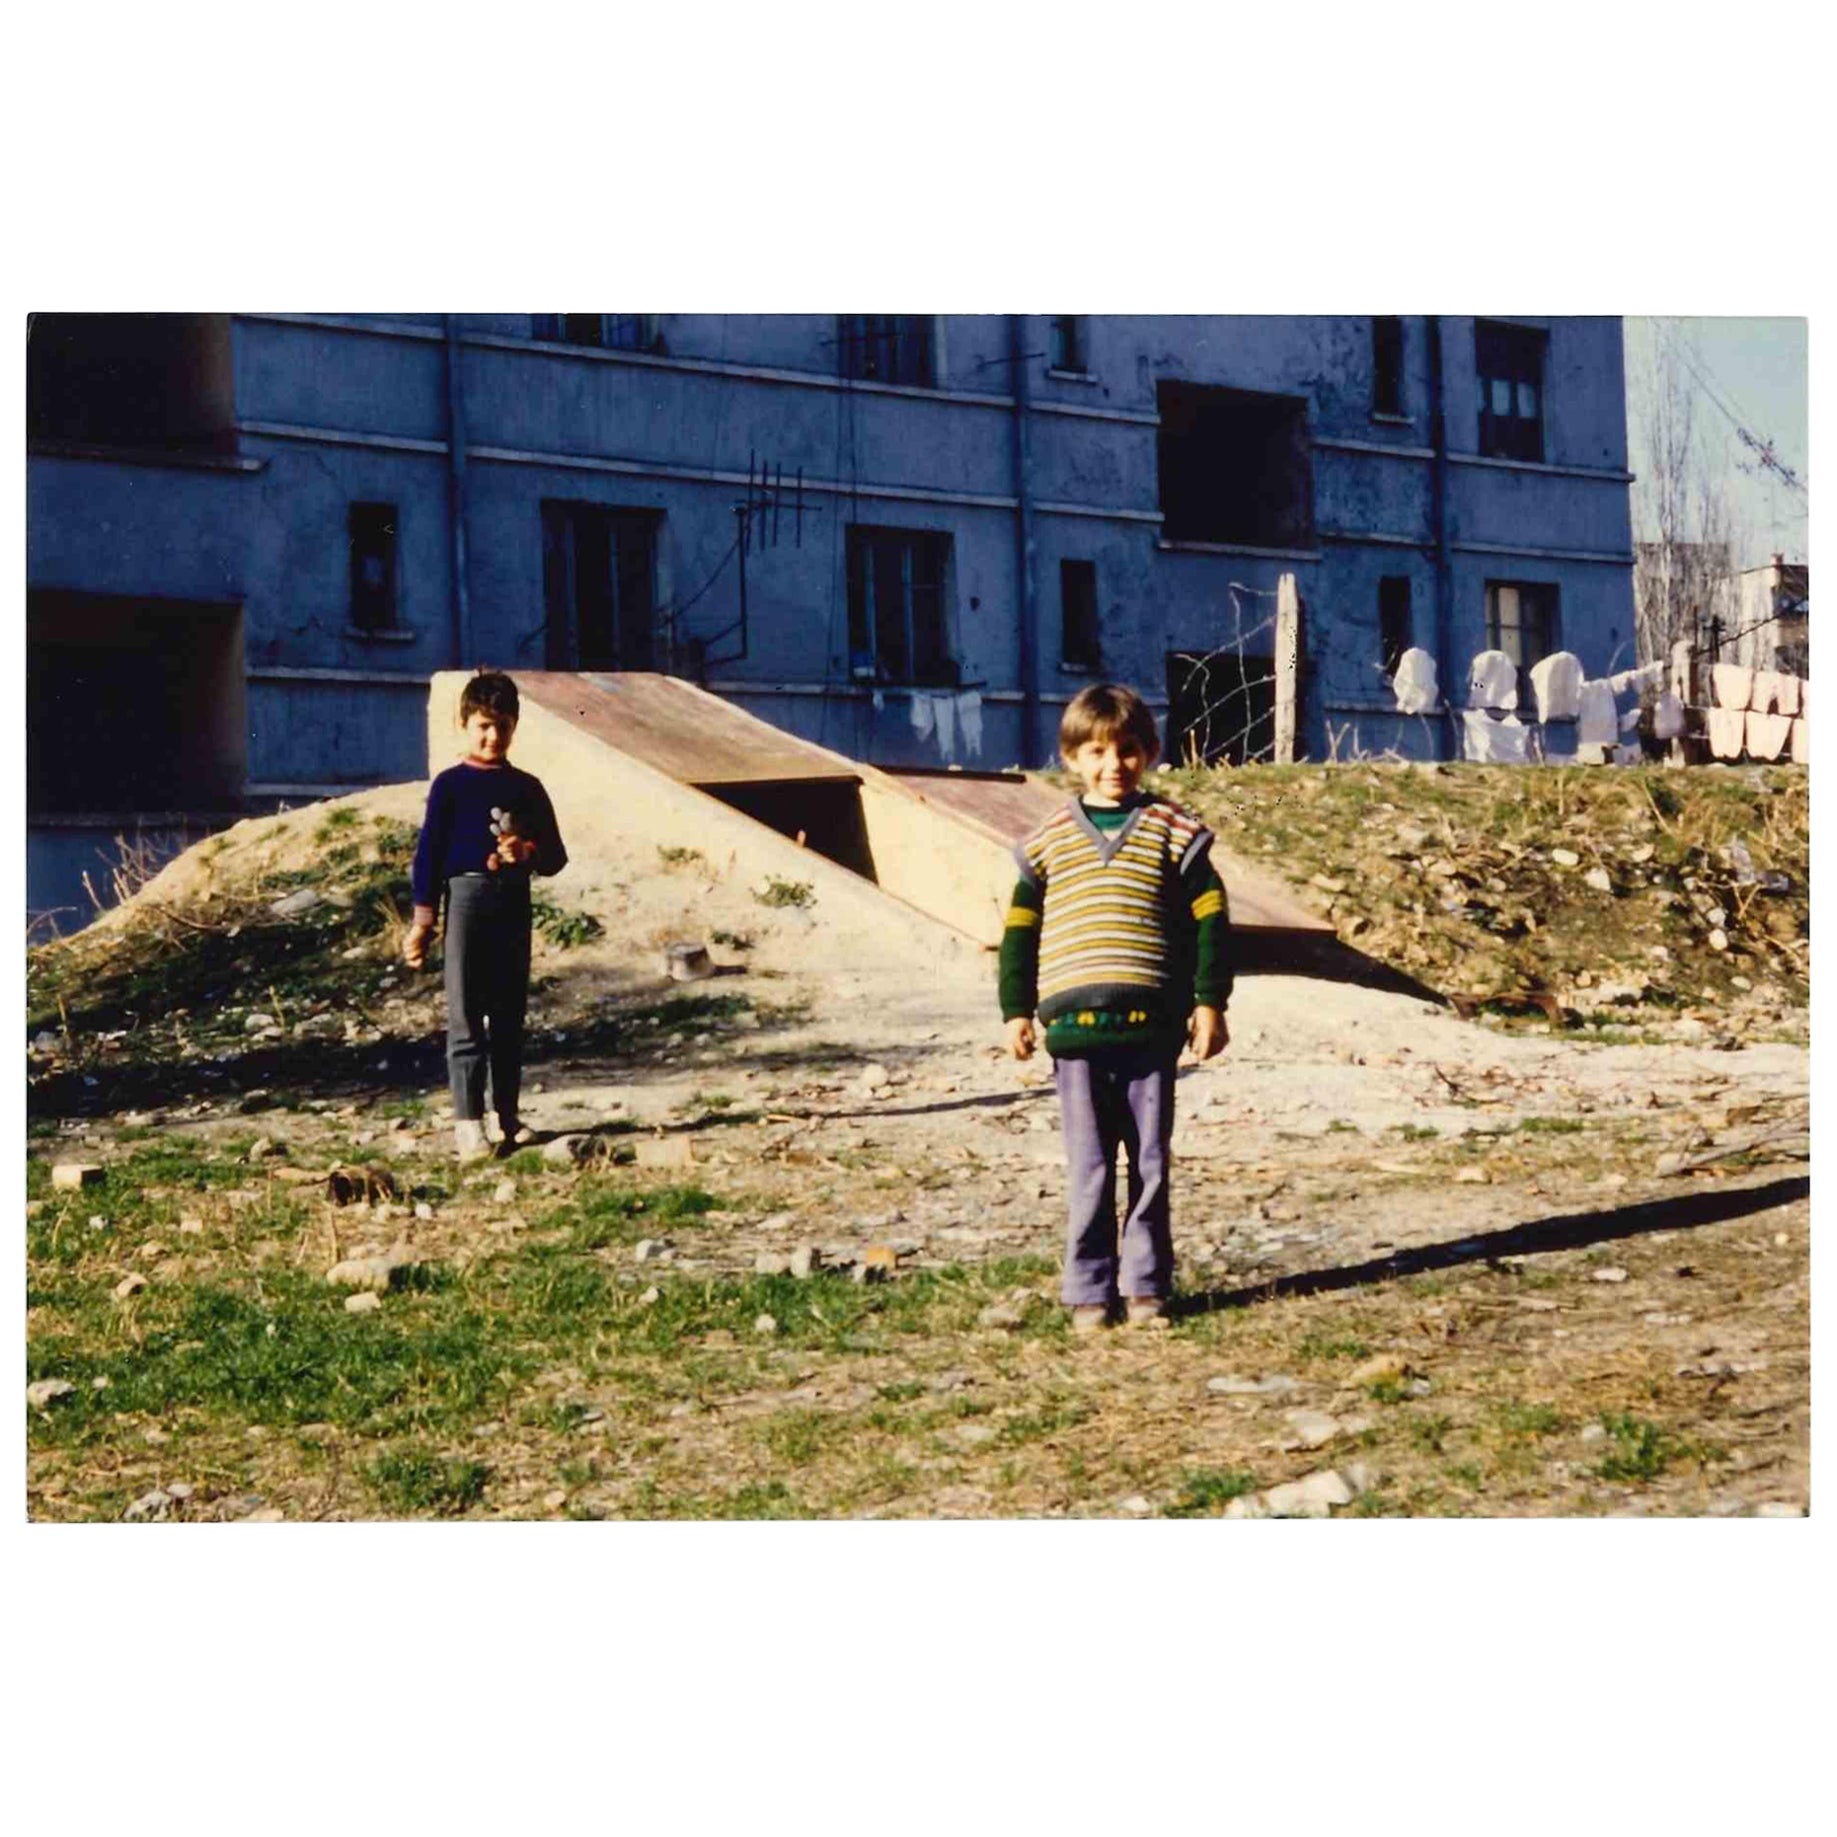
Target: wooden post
1288,666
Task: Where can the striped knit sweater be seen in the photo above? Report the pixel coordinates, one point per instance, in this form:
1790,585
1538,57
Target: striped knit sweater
1117,929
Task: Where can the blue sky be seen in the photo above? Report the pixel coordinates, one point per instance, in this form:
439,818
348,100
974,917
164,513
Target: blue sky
1757,367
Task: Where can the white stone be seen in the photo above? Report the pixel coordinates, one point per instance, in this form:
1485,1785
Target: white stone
1594,1432
1612,1273
1778,1508
149,1505
1134,1504
366,1301
504,1193
1597,877
1271,1385
805,1260
46,1392
1565,857
1247,1505
290,905
1312,1497
1310,1428
764,1324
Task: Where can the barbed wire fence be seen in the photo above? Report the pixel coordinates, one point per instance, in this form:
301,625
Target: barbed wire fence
1222,701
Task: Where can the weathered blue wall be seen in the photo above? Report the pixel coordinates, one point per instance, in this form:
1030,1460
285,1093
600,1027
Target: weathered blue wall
332,409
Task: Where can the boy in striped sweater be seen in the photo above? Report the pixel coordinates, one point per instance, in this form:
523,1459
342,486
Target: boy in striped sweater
1118,935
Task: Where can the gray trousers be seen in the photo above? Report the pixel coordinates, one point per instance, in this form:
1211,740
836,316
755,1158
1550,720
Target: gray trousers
1117,1099
487,990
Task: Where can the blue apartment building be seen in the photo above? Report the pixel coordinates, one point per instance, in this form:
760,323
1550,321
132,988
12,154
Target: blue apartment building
253,537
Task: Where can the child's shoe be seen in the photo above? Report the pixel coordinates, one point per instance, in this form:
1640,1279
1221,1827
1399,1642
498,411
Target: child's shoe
1091,1317
1147,1311
469,1142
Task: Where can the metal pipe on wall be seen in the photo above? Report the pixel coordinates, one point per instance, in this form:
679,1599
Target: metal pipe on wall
1023,532
456,492
1438,518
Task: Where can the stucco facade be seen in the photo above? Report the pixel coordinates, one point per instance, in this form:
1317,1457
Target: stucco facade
1180,465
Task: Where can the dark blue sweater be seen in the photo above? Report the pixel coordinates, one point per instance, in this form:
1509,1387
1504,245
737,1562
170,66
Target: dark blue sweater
456,836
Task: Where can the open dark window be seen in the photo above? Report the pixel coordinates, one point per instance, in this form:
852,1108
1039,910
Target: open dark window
163,381
887,348
1524,621
602,331
372,533
1070,351
1221,708
1394,634
1234,467
896,626
1510,361
1080,647
599,570
1387,366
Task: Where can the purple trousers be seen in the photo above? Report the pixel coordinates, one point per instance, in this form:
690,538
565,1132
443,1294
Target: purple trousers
1117,1099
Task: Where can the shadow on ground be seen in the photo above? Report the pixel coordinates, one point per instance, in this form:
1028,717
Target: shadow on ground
1566,1231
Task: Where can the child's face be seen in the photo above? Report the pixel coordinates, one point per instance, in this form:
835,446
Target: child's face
1110,766
488,736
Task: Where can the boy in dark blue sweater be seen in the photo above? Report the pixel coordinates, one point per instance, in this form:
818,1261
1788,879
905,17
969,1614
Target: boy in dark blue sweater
488,828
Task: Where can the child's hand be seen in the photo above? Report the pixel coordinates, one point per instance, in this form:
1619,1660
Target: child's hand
1020,1038
1208,1033
414,945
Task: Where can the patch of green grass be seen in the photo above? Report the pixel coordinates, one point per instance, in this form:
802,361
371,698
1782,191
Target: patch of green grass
566,930
1551,1125
798,1436
778,892
1048,1419
1328,1346
1640,1449
1428,1433
414,1482
1530,1419
902,1392
677,856
1206,1491
734,940
1339,1126
602,1212
1417,1132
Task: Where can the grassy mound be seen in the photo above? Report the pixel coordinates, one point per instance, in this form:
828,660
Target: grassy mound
1608,898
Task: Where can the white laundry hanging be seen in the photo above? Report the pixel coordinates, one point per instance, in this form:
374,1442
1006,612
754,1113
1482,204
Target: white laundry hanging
1801,740
1734,684
921,714
1765,696
1728,729
1788,694
944,713
1667,716
1596,724
1556,683
1493,742
1414,683
969,722
1767,734
1492,681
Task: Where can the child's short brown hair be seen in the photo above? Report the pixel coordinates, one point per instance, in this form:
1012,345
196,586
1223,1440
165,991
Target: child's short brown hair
490,692
1103,710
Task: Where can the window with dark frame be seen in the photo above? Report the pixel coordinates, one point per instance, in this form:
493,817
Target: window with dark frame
371,530
1387,366
1510,363
1080,645
897,632
599,569
1234,467
1069,352
1523,620
1394,633
887,348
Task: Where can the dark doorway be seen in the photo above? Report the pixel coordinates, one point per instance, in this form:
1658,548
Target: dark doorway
1221,708
599,571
